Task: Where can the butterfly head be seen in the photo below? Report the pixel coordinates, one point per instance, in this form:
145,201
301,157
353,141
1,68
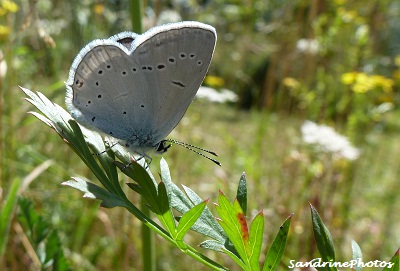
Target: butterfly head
163,146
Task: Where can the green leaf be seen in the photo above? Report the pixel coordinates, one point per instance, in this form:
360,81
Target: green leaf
79,145
188,219
135,187
35,227
275,252
43,239
109,200
212,245
178,199
233,222
147,187
255,240
357,254
395,262
61,121
182,202
323,239
206,224
236,259
241,194
165,213
54,253
6,214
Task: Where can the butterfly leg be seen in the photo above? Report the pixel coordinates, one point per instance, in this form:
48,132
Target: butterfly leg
105,150
144,156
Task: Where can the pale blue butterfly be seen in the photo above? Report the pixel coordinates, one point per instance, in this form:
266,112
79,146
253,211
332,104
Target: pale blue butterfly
136,88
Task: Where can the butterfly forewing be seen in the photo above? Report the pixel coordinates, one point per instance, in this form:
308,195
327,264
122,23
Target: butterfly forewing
179,60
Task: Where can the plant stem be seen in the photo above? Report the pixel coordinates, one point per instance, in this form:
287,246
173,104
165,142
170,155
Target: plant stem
136,15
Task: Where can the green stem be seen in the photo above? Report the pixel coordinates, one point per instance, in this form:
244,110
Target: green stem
147,221
148,255
151,225
203,259
136,15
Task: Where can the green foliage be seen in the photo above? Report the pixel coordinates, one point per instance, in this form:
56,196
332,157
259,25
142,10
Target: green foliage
323,238
343,84
160,198
6,214
324,241
44,240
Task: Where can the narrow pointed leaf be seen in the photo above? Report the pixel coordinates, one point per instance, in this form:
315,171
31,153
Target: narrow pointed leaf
165,213
255,240
135,187
182,202
275,252
109,200
189,218
105,156
357,254
6,213
42,118
241,194
212,245
323,238
148,190
206,223
233,222
62,122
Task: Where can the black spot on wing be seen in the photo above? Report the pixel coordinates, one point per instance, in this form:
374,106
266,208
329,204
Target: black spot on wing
178,83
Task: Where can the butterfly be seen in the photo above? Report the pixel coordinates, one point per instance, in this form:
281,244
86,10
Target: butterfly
136,88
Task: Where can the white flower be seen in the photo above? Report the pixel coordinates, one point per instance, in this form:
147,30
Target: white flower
328,140
213,95
3,66
310,46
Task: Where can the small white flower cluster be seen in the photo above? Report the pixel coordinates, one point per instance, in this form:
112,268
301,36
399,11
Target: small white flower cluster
225,95
309,46
328,140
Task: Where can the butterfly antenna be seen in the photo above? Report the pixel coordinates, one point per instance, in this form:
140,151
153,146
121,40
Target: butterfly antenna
195,149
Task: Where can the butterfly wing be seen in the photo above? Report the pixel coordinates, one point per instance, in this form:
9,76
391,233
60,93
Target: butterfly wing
98,88
179,56
137,88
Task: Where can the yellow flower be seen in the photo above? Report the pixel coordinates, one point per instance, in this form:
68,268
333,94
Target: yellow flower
4,32
361,82
382,82
9,6
291,83
214,81
348,78
98,8
360,88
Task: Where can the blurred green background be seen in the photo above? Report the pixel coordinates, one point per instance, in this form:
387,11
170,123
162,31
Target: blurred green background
332,62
